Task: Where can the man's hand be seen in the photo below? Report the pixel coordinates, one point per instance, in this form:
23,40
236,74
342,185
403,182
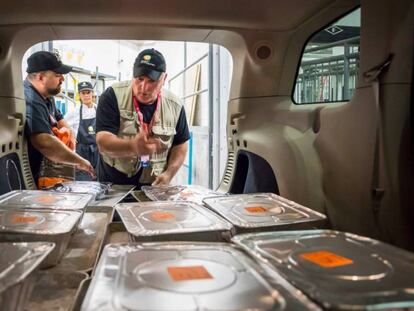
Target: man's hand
143,144
162,180
86,166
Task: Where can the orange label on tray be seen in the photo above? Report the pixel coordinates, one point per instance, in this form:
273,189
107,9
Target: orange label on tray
23,219
162,215
186,194
45,199
189,273
256,209
326,259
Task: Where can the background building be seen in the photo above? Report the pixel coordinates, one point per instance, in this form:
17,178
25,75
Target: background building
199,73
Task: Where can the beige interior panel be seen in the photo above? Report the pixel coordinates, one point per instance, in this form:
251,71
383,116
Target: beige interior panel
347,137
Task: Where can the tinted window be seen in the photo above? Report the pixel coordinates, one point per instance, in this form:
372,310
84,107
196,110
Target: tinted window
329,66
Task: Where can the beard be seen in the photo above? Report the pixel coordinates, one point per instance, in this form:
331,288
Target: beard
54,91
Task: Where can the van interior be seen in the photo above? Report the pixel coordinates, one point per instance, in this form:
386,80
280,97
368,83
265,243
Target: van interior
349,157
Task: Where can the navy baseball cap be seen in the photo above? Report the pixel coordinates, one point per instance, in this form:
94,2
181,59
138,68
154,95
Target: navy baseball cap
149,63
43,61
85,86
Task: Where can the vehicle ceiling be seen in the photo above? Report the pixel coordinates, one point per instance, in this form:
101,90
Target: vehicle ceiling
271,15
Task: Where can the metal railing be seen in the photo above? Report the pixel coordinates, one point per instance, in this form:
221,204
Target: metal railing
331,78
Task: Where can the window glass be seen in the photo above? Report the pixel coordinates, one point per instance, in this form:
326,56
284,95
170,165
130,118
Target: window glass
329,66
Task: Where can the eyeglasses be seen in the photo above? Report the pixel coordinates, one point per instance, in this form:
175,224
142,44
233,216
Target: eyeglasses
85,92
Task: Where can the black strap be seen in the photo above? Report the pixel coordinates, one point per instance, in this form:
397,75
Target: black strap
378,174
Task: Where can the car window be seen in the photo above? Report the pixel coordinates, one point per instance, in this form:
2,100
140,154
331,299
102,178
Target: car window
329,65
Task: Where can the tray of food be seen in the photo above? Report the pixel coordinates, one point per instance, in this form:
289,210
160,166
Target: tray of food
169,220
264,211
184,276
32,225
19,263
340,271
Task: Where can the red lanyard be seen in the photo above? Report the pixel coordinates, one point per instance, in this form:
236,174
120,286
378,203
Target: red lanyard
141,117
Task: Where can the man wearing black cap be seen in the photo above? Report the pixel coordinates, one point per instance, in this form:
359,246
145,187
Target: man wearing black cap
44,79
82,121
142,129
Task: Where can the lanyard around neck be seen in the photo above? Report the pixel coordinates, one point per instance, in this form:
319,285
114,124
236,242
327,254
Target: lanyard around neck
141,116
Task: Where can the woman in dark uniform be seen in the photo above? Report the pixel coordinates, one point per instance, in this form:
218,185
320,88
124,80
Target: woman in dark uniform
83,121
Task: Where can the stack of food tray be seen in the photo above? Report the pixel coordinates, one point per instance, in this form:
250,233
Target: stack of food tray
29,225
32,215
45,200
264,212
185,276
191,193
338,270
169,220
18,265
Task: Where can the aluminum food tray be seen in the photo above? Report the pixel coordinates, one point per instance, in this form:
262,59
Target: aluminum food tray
184,276
115,195
340,271
56,291
18,264
264,211
40,199
33,225
168,220
97,189
190,193
86,243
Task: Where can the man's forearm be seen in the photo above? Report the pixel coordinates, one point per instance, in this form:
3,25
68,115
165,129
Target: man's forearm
113,146
176,158
53,149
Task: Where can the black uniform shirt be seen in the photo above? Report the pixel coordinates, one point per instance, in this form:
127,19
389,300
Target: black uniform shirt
41,113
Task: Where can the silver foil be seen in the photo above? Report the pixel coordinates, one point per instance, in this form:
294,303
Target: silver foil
168,220
18,264
339,270
45,200
190,193
183,276
263,211
33,225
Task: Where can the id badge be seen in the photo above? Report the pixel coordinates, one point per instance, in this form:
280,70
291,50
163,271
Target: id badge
145,161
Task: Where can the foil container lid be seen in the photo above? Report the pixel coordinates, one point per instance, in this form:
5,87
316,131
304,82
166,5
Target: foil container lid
38,221
18,260
261,210
97,189
45,199
339,270
168,217
182,276
191,193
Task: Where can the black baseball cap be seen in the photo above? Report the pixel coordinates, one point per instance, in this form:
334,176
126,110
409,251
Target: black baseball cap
43,60
85,86
149,63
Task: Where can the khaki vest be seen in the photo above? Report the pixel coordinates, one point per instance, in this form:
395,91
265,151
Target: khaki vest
166,118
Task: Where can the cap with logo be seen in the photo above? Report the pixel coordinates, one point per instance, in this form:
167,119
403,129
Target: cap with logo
85,86
43,61
150,63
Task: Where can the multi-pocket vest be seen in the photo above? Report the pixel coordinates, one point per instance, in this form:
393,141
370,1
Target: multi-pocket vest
166,118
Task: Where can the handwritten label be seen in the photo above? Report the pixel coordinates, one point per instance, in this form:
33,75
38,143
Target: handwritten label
256,209
45,199
326,259
162,215
23,219
189,273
